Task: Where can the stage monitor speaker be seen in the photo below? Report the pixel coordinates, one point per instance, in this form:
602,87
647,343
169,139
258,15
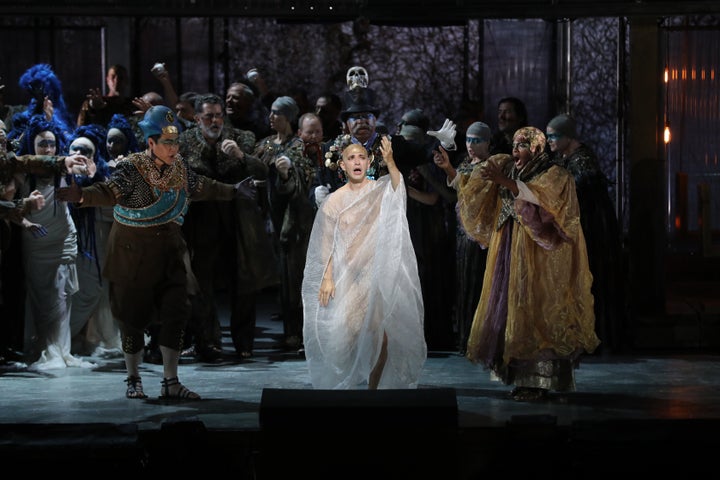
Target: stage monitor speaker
358,434
358,409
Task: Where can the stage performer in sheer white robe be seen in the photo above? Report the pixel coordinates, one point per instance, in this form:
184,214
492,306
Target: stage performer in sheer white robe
362,302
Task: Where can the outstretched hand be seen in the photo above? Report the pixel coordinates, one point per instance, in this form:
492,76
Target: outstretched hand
492,172
71,193
446,134
246,189
75,162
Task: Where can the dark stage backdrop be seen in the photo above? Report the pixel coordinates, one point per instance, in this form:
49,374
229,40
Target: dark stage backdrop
455,71
578,65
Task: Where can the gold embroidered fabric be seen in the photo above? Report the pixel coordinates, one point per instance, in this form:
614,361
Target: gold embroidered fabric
549,302
169,177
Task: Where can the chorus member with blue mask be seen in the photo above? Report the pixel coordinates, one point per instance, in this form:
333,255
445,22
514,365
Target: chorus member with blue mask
48,274
145,263
291,213
471,256
600,226
120,140
102,333
88,140
51,278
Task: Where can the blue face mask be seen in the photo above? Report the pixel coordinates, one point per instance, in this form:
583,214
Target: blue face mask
82,150
361,116
46,143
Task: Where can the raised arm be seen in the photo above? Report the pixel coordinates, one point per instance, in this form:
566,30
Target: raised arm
387,153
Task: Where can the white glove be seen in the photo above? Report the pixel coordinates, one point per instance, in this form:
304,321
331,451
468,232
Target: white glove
446,135
321,193
283,165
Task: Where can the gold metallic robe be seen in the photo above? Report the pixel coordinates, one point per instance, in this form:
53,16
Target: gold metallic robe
547,314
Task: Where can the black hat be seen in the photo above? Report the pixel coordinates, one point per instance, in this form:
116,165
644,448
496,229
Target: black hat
359,100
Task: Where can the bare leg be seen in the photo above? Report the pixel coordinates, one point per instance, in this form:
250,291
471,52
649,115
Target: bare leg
171,386
134,383
132,363
377,370
171,358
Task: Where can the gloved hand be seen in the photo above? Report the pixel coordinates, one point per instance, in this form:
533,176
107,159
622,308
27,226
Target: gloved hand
446,135
246,189
283,165
321,192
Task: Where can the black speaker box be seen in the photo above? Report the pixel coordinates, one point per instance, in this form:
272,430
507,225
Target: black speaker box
358,409
359,434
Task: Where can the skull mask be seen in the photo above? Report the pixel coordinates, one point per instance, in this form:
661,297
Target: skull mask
357,77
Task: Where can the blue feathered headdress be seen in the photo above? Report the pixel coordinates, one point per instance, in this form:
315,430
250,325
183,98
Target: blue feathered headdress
40,81
37,124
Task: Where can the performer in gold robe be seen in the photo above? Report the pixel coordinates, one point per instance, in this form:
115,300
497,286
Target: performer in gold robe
535,316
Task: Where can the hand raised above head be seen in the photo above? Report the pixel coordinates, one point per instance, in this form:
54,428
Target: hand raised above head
142,105
446,134
386,150
441,159
94,97
48,108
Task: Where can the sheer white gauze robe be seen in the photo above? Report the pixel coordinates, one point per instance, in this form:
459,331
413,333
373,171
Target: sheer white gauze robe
51,281
377,289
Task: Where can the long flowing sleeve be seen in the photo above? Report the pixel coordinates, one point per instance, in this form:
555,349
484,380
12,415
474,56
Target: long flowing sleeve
377,290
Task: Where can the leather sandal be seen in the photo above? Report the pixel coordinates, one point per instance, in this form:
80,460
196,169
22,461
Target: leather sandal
183,392
134,387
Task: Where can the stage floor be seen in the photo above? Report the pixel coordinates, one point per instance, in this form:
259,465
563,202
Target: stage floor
628,390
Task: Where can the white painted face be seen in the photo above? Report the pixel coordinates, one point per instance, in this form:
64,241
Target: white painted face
357,77
83,146
45,143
